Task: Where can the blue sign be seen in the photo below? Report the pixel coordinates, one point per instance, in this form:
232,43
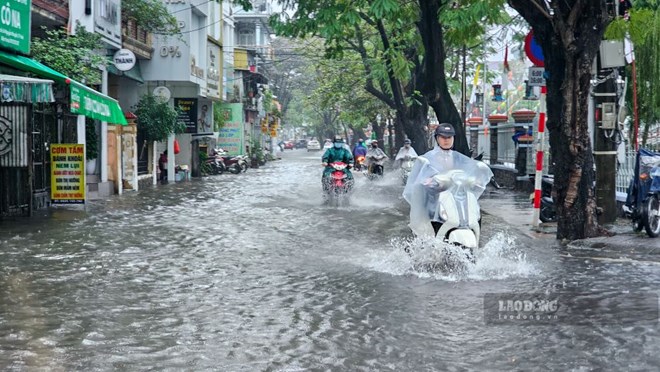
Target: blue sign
533,50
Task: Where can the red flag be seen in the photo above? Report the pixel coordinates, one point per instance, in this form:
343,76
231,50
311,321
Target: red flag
506,58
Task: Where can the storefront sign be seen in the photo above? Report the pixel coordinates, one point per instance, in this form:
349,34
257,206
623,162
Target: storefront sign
213,71
231,134
15,25
124,59
85,101
187,113
67,174
107,21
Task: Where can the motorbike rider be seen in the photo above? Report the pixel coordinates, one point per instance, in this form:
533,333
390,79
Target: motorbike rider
422,192
405,153
359,150
336,153
375,159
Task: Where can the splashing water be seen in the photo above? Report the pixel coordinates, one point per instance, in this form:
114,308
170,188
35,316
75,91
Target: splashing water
426,257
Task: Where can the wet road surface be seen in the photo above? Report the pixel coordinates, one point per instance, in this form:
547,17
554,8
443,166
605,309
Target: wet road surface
252,272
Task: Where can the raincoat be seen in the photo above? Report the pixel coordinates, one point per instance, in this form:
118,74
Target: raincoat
421,192
334,154
359,149
373,153
403,152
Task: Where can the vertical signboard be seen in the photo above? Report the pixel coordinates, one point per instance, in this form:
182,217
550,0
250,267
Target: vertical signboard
231,134
107,21
213,71
15,25
67,174
187,113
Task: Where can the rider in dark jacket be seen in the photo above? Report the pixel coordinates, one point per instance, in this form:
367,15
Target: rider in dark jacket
336,153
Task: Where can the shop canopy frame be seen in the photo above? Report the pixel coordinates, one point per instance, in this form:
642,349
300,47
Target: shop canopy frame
84,100
25,90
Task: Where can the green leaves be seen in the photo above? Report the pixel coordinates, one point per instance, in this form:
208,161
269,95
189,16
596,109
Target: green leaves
150,15
157,119
74,56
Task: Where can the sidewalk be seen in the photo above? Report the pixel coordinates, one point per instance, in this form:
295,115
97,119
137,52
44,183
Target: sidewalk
626,246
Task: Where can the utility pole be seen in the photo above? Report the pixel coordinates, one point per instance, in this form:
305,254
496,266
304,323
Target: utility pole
605,127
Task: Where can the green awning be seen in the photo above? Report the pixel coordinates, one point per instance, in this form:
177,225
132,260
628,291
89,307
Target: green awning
24,89
88,102
84,100
30,65
135,73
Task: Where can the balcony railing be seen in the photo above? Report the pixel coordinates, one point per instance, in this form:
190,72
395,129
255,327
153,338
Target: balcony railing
136,39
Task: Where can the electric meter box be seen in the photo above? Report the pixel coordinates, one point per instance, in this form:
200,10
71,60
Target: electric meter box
608,110
612,54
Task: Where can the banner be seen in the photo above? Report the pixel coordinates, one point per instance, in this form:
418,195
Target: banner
67,174
231,134
187,113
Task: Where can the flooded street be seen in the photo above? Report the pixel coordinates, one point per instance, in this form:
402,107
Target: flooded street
251,272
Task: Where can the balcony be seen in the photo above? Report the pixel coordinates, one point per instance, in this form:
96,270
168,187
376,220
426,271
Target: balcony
250,104
136,39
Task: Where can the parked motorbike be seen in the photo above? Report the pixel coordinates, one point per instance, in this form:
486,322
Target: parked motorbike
215,164
548,212
338,185
235,164
643,199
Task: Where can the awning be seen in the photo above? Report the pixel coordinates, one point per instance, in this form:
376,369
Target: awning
135,73
23,89
84,101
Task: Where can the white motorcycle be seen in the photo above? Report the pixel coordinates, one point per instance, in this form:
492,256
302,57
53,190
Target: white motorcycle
458,209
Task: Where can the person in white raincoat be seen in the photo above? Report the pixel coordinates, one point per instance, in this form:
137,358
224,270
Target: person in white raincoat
405,152
422,192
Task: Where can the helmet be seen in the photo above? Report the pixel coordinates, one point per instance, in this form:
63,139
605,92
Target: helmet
360,140
338,139
374,141
406,142
444,130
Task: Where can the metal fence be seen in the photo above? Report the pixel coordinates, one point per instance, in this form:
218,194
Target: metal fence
507,149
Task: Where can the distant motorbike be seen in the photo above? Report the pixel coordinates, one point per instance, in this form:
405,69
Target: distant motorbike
338,184
375,167
359,162
406,167
643,199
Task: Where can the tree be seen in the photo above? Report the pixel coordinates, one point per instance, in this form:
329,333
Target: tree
74,56
569,33
402,49
157,119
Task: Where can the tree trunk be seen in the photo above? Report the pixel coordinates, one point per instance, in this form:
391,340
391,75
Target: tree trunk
434,86
569,35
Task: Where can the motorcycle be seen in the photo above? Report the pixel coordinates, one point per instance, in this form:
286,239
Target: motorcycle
643,200
359,162
215,164
375,167
338,185
548,212
235,164
459,209
406,167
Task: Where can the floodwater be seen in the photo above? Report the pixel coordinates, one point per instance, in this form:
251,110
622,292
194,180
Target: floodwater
252,272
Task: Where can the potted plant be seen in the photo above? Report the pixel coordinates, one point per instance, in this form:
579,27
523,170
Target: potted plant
91,146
